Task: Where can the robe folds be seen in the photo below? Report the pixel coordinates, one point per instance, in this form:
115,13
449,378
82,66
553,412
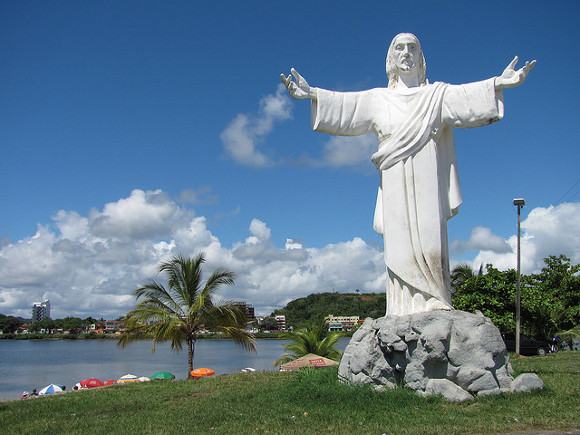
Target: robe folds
419,185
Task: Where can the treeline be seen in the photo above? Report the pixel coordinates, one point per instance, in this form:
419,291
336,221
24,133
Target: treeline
312,308
550,300
75,325
9,324
60,336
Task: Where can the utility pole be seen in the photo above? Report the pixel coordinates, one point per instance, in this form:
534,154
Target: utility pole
519,203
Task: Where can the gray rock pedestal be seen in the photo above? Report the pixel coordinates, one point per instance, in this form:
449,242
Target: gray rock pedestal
437,352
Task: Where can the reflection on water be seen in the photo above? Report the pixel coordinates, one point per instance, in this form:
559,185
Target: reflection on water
28,364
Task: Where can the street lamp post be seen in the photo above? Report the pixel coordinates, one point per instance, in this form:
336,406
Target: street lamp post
519,203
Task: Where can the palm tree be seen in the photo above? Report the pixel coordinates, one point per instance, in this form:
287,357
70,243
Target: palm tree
314,339
461,273
181,311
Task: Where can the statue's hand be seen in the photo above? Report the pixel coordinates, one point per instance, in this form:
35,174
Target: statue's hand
299,89
511,78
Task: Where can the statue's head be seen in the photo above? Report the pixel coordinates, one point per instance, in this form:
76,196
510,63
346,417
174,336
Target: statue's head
405,54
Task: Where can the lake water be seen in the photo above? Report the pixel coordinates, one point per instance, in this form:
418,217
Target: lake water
29,364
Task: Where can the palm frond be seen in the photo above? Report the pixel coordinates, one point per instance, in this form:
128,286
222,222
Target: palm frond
224,314
240,336
221,276
153,291
179,272
285,358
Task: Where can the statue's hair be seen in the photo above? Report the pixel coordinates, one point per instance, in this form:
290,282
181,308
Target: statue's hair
391,66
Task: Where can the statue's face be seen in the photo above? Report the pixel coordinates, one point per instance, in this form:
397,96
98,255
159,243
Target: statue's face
406,53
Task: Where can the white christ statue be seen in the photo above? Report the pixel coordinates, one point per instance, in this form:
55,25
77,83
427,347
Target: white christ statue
419,186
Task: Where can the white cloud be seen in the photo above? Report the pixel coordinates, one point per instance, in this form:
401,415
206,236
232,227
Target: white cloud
243,135
143,215
293,244
276,276
547,231
260,230
89,265
246,131
482,239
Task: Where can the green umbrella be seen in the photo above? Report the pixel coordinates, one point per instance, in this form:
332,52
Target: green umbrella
163,375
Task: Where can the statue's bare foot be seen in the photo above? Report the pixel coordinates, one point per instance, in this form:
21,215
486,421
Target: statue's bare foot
435,304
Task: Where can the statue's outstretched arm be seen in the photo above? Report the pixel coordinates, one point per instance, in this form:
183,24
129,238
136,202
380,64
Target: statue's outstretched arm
511,78
299,89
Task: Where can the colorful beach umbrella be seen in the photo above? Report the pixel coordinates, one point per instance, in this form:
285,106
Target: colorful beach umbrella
163,375
128,378
201,373
51,389
91,383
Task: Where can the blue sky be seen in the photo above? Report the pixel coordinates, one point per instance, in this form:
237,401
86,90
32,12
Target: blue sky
133,130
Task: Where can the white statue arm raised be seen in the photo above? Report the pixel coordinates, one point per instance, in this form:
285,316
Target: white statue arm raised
299,89
511,78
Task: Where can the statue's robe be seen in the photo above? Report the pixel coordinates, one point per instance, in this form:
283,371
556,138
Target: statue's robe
419,188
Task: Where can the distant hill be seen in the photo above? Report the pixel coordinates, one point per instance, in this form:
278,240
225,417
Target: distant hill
319,305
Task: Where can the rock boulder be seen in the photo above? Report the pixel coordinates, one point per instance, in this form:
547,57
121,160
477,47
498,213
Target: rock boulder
462,348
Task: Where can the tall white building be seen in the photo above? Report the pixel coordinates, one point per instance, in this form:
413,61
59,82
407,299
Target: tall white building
40,310
281,322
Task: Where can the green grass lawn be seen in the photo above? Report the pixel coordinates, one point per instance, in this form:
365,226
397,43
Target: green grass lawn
308,402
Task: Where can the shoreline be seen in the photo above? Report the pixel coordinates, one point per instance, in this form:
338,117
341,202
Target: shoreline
88,337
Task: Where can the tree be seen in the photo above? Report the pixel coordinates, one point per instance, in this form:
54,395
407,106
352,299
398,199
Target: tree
554,305
460,274
46,324
550,300
493,293
9,324
560,284
181,311
314,339
71,324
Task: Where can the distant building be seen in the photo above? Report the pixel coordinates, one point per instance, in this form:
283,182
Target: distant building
248,309
40,311
281,322
106,327
342,323
113,326
335,327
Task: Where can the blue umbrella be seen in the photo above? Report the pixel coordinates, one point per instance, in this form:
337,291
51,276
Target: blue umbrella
51,389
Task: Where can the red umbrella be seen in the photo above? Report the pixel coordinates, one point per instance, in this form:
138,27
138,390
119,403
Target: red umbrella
109,382
91,383
201,373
